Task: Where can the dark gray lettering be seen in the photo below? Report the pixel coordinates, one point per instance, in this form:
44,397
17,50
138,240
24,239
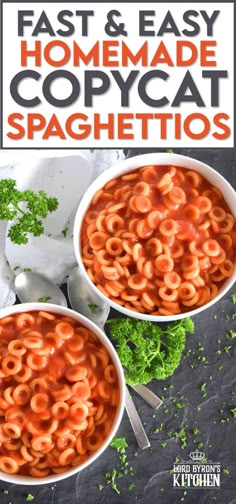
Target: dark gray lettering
181,97
187,18
56,102
65,22
90,89
32,74
215,76
125,85
153,74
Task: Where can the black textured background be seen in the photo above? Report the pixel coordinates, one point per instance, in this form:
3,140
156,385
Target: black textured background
205,361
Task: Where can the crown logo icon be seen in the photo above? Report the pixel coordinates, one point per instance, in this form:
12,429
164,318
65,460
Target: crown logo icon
197,456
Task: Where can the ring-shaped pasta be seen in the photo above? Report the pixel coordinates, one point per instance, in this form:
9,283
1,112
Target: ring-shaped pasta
193,248
8,465
97,240
220,258
22,394
190,275
39,402
193,177
154,247
11,430
11,365
16,347
143,229
168,227
148,269
153,219
114,246
164,263
227,224
114,223
168,294
226,242
217,213
24,320
227,268
172,280
137,282
211,248
110,272
192,213
203,203
137,251
177,195
142,188
192,301
189,262
186,291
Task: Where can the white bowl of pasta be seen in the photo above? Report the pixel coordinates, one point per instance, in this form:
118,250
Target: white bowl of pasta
61,393
155,236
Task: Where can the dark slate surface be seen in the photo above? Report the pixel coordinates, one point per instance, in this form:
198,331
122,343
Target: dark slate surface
207,361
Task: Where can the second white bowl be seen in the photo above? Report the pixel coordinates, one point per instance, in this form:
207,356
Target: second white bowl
132,164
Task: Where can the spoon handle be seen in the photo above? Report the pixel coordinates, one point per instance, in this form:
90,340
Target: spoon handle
136,423
152,399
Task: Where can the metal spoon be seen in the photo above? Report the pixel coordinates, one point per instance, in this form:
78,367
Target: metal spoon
30,286
82,299
85,301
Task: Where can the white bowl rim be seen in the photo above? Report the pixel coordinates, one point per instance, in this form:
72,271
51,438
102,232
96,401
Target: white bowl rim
53,308
128,165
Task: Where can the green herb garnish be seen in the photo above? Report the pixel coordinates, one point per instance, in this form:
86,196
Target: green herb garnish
224,420
179,405
146,350
64,231
158,429
131,486
179,435
26,208
233,411
231,334
29,497
233,297
44,299
111,480
170,151
120,444
93,307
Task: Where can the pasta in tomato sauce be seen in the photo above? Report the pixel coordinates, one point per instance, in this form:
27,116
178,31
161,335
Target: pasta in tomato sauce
159,240
59,394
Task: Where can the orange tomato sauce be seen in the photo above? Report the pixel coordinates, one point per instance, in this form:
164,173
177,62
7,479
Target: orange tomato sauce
159,240
59,394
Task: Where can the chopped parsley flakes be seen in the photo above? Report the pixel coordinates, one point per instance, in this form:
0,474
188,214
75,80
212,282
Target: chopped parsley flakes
93,307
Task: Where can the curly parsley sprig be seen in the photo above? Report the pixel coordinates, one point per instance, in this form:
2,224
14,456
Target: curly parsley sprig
146,350
26,208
